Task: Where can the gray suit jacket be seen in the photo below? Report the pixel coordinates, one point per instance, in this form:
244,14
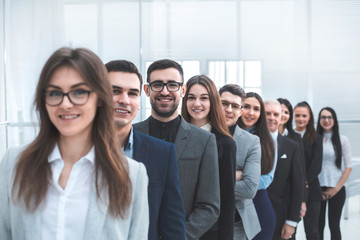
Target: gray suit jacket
196,152
248,155
18,224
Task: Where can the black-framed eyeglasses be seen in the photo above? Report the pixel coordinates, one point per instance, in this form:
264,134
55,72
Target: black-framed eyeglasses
77,97
326,117
234,106
158,86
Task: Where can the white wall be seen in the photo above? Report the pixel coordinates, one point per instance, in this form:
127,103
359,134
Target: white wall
310,50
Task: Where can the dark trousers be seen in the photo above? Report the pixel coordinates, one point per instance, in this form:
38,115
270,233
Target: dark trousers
266,215
311,220
335,207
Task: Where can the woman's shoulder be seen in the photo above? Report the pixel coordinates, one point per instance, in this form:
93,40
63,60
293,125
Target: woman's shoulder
12,155
344,138
223,139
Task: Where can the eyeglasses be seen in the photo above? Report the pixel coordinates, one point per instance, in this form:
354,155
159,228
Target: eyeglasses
234,106
326,117
77,97
158,86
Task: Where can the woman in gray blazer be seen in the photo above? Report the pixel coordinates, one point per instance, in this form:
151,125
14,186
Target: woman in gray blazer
72,181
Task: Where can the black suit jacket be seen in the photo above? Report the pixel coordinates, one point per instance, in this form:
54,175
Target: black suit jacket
166,209
297,138
313,162
224,227
287,189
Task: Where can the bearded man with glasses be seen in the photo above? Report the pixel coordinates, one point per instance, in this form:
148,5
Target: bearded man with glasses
196,149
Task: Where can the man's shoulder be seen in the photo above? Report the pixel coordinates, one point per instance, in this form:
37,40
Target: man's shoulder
141,124
288,141
241,133
154,142
194,129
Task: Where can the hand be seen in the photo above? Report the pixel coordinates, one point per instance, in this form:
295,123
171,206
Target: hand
303,209
238,175
287,231
330,192
324,197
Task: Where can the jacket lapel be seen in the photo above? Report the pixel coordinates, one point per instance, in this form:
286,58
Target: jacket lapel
280,145
182,138
140,152
143,126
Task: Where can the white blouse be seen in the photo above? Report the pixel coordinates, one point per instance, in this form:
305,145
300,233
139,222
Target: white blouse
330,174
64,211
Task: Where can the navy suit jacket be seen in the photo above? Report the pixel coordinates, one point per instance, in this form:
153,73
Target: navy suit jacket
166,208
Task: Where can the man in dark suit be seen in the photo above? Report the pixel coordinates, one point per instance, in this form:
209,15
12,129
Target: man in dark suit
166,210
196,149
287,189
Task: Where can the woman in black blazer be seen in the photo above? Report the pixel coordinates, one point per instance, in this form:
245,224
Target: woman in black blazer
201,107
304,121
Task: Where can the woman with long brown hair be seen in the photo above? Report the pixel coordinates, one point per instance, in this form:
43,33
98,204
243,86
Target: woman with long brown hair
304,122
201,107
253,120
72,181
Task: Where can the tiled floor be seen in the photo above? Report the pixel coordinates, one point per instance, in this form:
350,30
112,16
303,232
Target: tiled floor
350,228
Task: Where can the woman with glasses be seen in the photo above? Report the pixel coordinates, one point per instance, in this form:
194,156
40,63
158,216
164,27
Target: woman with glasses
72,181
304,121
336,169
253,120
201,107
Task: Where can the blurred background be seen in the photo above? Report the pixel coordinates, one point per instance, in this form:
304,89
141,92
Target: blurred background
295,49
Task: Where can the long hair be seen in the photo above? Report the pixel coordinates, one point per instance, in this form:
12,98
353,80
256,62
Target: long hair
33,172
310,133
262,131
216,114
289,124
335,138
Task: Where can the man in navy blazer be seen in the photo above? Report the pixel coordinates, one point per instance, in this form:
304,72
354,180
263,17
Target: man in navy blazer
166,209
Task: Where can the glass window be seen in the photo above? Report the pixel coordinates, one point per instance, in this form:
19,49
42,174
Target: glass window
246,74
21,135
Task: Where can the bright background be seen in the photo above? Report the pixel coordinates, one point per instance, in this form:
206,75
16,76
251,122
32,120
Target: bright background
295,49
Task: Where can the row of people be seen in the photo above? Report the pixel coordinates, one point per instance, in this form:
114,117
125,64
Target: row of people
236,178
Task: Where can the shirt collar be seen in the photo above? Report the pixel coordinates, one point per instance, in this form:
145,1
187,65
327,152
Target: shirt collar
172,123
130,141
56,155
207,127
275,134
302,133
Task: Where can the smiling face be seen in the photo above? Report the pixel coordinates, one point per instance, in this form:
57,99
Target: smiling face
251,112
285,114
165,103
301,118
232,114
126,97
326,120
273,116
71,120
198,105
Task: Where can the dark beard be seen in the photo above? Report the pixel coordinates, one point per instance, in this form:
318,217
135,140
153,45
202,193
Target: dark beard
163,114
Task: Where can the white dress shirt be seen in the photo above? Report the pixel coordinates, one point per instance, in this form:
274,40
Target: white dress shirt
63,212
330,174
